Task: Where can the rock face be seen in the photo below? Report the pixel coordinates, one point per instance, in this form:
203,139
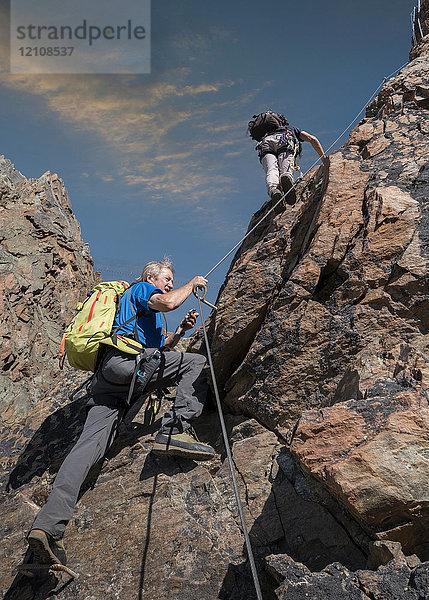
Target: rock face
332,295
156,527
320,338
45,269
372,455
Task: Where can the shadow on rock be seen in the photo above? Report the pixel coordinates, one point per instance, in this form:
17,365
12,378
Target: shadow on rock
292,522
39,587
46,451
152,468
49,445
59,432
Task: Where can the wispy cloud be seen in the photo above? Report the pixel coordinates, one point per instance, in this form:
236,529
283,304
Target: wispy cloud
173,132
137,121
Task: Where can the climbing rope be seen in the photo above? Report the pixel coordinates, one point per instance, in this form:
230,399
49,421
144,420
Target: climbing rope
309,169
201,298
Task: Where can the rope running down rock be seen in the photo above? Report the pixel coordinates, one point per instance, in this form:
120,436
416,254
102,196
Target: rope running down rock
227,447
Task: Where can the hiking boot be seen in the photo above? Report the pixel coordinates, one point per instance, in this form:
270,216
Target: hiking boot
46,550
287,183
275,194
184,444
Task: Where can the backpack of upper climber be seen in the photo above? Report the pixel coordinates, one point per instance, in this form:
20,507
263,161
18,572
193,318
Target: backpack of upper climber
264,123
92,326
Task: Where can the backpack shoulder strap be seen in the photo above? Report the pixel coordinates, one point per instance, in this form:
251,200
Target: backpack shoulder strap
136,315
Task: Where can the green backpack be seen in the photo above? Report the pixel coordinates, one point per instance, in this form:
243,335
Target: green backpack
92,326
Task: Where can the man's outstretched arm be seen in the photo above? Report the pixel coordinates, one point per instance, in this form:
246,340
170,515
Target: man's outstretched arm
307,137
172,300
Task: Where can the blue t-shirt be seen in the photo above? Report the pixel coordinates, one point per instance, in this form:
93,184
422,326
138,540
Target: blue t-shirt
149,324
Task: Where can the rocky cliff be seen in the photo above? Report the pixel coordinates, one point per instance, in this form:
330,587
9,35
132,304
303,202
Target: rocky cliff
44,268
320,346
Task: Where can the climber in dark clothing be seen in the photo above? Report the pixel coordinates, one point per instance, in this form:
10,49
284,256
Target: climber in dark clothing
278,149
151,296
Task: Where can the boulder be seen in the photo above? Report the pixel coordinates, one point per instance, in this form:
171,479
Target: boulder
395,581
371,454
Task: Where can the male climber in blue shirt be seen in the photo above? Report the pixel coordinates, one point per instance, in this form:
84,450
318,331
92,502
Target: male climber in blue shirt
151,296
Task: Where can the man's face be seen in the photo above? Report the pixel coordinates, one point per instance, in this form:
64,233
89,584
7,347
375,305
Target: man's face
163,281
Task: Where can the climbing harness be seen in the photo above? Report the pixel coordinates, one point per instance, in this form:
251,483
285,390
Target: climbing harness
150,366
308,170
294,166
226,442
200,292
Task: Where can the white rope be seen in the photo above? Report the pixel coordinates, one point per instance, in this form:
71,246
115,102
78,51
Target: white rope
316,161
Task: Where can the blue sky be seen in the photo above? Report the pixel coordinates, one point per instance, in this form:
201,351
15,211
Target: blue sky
160,163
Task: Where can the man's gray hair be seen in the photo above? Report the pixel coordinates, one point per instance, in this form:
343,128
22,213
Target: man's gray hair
155,267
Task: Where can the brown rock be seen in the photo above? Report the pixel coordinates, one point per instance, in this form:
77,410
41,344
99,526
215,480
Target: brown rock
381,553
370,454
375,146
45,270
331,295
159,527
325,309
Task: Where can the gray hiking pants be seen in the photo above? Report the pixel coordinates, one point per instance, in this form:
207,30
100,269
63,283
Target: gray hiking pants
276,160
106,409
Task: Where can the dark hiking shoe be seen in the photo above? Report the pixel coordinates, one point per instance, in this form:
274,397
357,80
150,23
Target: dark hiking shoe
184,444
46,550
275,194
287,183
